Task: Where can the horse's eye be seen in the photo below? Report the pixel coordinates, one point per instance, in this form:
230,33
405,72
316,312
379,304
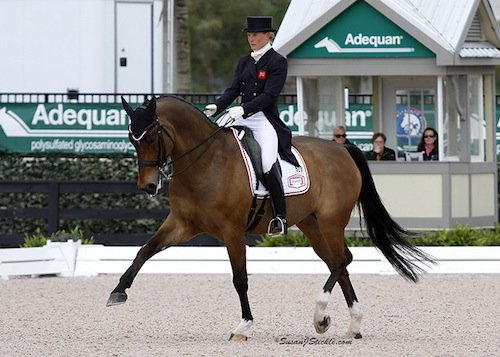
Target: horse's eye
149,138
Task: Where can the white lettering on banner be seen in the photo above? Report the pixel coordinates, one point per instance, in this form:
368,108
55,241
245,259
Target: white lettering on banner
374,41
326,119
352,117
289,117
80,146
69,116
87,118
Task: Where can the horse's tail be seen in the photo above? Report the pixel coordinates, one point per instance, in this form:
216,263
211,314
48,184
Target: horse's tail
387,235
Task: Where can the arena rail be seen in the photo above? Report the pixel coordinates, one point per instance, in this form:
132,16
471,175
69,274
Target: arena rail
92,260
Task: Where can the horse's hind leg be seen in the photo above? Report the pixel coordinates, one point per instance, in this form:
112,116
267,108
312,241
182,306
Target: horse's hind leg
338,272
351,300
162,239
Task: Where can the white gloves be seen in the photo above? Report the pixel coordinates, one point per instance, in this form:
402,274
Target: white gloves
210,110
236,112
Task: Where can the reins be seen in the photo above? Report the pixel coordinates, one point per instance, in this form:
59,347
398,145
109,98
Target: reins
162,159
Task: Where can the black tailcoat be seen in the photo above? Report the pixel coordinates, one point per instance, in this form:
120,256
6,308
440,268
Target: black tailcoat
259,85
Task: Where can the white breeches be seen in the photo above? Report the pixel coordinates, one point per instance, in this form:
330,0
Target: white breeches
265,135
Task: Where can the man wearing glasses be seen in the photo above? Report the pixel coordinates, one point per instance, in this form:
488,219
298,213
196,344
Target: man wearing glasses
339,135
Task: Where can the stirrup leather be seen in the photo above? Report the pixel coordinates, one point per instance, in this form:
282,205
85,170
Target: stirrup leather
277,226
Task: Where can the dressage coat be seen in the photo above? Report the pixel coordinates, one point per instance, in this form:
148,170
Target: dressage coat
259,85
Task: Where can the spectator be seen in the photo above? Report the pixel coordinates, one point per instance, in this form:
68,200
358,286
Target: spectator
429,144
339,135
380,151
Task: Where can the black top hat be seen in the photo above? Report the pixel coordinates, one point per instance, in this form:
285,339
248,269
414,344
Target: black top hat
259,24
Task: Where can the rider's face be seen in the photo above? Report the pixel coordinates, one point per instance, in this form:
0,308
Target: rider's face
257,40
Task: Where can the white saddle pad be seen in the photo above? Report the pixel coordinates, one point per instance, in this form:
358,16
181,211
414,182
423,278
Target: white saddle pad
295,180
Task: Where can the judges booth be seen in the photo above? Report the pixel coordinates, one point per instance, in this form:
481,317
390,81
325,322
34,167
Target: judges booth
417,64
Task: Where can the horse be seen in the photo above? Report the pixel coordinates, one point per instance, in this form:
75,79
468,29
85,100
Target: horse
209,192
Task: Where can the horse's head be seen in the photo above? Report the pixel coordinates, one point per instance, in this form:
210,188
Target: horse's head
146,134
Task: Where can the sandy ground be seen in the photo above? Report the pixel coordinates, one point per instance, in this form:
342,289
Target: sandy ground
193,315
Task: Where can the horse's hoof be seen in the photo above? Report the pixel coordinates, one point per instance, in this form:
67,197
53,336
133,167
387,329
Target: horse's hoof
358,336
322,326
116,299
237,337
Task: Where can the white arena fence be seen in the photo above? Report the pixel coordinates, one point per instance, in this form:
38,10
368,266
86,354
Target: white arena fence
74,259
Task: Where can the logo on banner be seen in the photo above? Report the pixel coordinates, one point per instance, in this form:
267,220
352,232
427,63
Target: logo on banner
410,122
365,44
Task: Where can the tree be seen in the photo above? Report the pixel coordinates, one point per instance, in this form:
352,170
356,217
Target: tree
181,59
217,40
183,50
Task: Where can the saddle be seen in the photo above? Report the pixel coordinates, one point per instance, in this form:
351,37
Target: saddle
295,179
252,148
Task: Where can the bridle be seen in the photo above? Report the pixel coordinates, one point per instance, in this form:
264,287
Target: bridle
163,162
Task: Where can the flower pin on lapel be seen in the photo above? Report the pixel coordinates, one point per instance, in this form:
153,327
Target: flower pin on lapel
262,74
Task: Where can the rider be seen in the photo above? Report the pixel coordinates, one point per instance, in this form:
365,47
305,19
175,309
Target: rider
259,79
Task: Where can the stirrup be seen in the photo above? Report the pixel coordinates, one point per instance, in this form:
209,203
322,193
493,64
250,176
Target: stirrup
277,227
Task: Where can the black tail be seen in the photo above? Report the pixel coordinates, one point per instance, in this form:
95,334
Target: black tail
387,235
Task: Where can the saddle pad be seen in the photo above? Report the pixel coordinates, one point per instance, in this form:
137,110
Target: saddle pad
295,180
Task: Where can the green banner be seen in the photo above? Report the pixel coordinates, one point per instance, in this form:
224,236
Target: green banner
69,128
75,128
360,31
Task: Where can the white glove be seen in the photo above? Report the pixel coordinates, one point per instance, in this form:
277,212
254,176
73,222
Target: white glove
210,110
236,112
225,120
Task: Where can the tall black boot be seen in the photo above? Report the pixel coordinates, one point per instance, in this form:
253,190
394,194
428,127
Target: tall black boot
278,225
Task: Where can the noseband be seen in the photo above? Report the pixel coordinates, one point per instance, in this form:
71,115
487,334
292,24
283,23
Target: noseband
162,154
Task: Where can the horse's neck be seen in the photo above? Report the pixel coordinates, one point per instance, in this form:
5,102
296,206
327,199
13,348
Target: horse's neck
189,133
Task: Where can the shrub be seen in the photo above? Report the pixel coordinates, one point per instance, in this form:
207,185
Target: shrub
458,236
39,239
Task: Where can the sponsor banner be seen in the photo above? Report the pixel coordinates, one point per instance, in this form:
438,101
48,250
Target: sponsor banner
358,123
102,128
68,128
360,31
75,128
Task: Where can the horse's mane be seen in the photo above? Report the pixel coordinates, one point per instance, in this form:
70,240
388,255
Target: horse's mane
185,102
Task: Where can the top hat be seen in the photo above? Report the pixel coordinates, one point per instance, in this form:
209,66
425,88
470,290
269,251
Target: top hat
259,24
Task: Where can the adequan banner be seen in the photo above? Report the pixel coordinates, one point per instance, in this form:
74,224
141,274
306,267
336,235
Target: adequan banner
102,128
69,128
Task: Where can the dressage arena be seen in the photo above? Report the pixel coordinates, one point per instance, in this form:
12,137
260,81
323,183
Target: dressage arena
193,315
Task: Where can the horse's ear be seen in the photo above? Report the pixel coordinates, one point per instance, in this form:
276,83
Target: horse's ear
127,108
151,107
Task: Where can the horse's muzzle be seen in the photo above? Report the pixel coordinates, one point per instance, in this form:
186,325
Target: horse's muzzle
151,189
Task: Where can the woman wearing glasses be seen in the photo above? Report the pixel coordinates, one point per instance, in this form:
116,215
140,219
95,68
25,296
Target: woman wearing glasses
429,144
339,135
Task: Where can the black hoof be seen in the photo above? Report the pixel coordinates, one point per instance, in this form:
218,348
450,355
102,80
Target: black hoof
116,299
358,336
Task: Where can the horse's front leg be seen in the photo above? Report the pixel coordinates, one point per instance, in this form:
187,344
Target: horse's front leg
169,234
237,255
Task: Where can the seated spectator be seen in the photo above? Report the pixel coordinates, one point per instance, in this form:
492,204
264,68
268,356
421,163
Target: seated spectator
429,144
339,135
380,151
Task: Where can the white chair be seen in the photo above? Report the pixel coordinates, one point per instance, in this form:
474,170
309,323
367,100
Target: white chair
414,156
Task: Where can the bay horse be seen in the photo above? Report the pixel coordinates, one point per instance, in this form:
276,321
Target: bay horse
209,193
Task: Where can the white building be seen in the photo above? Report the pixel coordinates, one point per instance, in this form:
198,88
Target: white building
87,45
